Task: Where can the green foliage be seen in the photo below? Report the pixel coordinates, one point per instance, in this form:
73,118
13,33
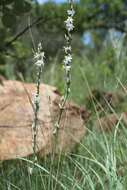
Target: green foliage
98,164
11,9
8,19
92,16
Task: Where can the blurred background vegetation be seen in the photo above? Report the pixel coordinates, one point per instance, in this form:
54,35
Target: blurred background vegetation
24,23
99,42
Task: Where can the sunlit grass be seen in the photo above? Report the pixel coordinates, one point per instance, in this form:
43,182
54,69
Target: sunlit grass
99,161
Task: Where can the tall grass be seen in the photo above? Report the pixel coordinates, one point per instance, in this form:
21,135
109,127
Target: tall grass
98,162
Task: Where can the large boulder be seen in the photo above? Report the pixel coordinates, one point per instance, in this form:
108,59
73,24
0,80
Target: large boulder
16,117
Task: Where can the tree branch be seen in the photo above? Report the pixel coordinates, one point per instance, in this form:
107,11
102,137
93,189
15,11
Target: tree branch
23,31
98,25
37,21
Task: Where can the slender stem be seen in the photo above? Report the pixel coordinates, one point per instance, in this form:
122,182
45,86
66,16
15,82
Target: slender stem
67,64
36,110
39,56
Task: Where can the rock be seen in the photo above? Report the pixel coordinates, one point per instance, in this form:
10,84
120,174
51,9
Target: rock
16,117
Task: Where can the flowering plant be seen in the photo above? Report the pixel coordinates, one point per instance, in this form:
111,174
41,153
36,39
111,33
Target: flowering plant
67,61
39,62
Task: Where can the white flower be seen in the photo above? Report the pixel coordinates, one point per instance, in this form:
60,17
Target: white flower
67,59
67,48
69,20
39,63
36,99
69,24
71,12
39,47
39,55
